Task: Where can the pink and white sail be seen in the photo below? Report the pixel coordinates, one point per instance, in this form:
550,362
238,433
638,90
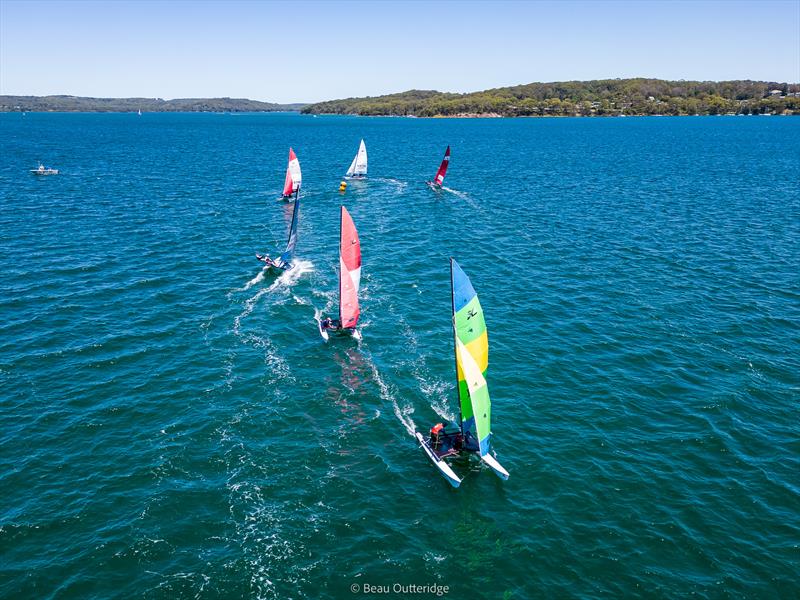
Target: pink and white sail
293,175
349,272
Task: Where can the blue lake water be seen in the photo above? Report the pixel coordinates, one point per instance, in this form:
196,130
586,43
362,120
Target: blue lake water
172,425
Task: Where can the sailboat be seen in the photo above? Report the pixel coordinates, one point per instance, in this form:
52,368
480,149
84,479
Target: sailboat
349,280
293,179
284,261
472,359
42,170
358,168
437,181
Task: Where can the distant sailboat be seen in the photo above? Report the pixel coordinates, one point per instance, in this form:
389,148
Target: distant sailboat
42,170
358,168
294,177
349,281
140,112
437,181
284,261
472,359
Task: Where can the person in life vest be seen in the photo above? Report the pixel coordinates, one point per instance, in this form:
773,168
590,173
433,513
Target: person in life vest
328,323
266,259
436,435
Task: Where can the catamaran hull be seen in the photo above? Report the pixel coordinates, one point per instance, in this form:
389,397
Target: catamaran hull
351,332
495,466
273,268
442,466
433,185
355,177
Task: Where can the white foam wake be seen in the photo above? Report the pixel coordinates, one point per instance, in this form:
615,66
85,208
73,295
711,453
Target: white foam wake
257,279
288,278
285,279
400,185
463,195
434,389
402,413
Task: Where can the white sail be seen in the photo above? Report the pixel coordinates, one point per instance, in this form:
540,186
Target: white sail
352,168
358,168
294,170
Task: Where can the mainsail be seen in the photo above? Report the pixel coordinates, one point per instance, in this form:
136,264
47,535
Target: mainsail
293,175
472,359
358,168
442,168
286,257
349,271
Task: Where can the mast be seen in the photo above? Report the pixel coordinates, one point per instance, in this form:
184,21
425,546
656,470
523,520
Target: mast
455,345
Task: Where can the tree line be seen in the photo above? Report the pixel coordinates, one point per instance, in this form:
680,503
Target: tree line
82,104
607,97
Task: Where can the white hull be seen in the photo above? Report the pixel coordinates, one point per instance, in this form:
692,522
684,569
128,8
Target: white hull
353,333
496,466
443,467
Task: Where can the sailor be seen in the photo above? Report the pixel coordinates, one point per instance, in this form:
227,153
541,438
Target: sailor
326,323
265,259
436,434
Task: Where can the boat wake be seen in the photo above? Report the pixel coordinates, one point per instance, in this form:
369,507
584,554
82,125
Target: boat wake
285,279
388,395
257,279
277,364
396,183
435,390
288,278
463,195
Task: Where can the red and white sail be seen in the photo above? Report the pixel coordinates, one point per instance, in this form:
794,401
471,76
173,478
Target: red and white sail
293,175
349,271
442,168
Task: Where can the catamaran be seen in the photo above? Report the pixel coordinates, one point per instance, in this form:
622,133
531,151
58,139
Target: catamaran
358,168
437,181
472,359
284,261
349,280
293,179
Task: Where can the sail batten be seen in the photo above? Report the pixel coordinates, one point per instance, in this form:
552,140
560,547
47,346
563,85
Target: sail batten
349,271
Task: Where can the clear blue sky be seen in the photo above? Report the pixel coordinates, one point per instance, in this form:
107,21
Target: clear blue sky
295,51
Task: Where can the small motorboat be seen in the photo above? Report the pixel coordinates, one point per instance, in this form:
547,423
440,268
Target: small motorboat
42,170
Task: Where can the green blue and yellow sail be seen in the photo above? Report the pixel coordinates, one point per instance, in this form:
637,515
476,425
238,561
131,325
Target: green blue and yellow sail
472,359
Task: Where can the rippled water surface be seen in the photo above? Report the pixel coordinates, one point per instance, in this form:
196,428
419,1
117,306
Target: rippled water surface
172,425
